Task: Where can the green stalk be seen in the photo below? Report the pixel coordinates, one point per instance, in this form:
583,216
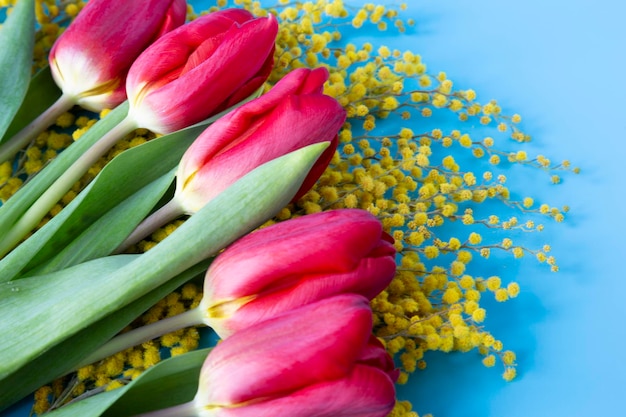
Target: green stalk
182,410
142,334
161,217
37,211
30,132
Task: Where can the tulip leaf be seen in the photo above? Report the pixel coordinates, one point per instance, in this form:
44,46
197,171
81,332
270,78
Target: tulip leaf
37,252
17,37
96,405
42,93
170,382
63,357
174,382
21,201
57,308
104,235
105,213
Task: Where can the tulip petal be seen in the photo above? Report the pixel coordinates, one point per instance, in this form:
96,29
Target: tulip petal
205,50
233,125
180,43
317,117
298,82
90,60
366,392
314,343
175,16
153,68
375,355
318,169
242,52
370,277
253,84
299,120
333,241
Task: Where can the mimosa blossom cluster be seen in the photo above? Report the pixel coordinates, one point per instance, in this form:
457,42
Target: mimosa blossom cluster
413,180
426,186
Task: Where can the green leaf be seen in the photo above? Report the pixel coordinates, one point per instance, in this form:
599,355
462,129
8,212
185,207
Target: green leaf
21,201
171,382
56,308
17,37
174,382
105,213
104,235
63,357
42,93
37,254
25,301
92,406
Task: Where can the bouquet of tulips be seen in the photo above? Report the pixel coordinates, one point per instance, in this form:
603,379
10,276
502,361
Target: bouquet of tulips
290,301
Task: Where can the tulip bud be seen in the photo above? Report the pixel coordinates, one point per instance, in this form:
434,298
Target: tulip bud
90,60
293,114
200,69
318,360
294,263
90,63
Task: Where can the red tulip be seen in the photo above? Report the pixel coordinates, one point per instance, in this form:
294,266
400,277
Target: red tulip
315,361
201,69
294,263
91,58
293,114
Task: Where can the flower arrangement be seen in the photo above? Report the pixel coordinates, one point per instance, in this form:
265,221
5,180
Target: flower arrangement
266,116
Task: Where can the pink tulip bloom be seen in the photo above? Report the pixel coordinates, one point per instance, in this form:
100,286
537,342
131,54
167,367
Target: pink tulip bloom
319,360
201,69
294,263
90,60
293,114
281,268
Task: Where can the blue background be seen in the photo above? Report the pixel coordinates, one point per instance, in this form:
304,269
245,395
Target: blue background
560,65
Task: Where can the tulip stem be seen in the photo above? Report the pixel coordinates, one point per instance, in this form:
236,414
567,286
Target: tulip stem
63,184
182,410
30,132
142,334
162,216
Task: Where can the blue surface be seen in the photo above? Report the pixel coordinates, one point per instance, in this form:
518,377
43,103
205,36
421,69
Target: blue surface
561,66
